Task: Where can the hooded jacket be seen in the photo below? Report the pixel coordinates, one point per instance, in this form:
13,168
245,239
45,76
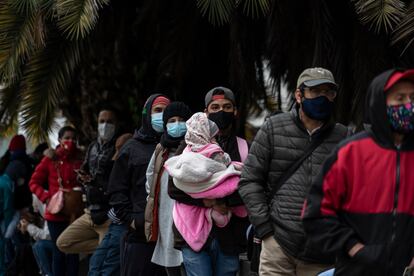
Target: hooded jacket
126,186
365,194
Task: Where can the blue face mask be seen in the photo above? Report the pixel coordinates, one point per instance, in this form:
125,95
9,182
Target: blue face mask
319,108
157,122
177,129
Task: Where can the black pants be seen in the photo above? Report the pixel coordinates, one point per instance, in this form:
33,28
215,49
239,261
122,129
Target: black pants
136,259
175,271
62,264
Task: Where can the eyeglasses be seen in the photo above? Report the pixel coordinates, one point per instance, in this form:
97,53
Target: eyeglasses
316,92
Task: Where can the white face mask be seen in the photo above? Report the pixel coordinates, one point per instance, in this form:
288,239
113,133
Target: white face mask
106,131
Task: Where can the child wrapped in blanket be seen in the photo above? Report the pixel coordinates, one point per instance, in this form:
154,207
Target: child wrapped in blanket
203,171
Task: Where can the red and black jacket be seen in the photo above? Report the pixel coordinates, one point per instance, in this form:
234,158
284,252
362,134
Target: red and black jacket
365,193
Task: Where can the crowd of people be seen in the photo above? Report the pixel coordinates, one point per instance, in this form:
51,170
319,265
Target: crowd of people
183,195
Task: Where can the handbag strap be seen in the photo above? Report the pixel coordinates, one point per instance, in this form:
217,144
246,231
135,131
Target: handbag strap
60,180
293,168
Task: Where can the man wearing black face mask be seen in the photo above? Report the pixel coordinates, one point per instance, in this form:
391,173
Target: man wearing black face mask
221,109
221,252
286,154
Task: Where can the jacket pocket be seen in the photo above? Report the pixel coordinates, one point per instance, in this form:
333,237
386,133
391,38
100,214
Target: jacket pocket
371,255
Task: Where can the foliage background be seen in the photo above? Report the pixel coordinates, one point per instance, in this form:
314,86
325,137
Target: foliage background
75,55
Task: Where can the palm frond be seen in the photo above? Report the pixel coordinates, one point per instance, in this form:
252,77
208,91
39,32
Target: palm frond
48,8
76,18
380,14
20,36
45,80
10,98
24,7
218,11
405,30
255,8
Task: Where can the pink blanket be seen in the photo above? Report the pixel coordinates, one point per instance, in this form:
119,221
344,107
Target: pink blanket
194,223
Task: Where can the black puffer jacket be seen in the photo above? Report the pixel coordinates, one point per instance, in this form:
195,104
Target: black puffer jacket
98,163
127,182
280,142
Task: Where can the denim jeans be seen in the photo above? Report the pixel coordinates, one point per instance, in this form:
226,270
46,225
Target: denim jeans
329,272
11,249
62,264
106,259
43,252
210,261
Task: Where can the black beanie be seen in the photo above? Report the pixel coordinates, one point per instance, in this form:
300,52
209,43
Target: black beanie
176,109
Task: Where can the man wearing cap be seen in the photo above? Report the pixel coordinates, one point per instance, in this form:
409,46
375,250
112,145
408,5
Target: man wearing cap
361,207
220,255
273,193
127,191
220,107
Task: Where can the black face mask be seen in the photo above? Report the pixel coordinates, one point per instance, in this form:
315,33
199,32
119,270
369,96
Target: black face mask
222,119
319,108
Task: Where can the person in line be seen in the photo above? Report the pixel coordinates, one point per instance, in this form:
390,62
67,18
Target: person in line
158,212
220,254
127,189
85,233
17,149
105,261
203,171
58,172
273,193
8,181
360,207
17,244
38,230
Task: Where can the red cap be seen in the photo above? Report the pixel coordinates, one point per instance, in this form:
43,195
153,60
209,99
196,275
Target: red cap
161,100
397,76
218,97
18,142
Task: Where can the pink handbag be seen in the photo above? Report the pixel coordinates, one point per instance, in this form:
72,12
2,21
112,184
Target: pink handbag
56,202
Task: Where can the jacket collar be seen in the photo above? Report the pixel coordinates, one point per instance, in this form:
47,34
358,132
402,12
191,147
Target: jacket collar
324,128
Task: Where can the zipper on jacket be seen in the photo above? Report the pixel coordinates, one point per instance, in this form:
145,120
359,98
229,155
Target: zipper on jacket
309,163
394,210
